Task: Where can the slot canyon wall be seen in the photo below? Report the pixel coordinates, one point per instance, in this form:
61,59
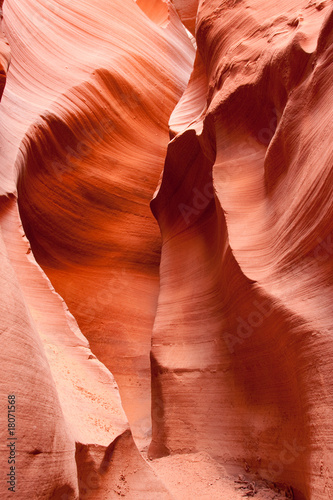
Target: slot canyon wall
166,203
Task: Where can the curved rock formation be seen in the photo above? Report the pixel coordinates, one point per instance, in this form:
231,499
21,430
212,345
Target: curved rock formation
244,345
99,149
40,443
74,132
70,425
206,333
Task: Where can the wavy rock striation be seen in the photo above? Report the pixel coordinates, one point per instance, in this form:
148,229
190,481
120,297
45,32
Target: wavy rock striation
79,124
206,333
89,165
242,338
71,426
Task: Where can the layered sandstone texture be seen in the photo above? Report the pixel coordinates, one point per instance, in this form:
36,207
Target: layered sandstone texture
166,225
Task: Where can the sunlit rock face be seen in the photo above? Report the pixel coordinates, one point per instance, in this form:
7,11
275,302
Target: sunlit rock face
91,157
166,235
242,349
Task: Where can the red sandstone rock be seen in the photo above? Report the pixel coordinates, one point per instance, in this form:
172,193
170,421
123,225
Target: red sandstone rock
244,346
100,149
230,289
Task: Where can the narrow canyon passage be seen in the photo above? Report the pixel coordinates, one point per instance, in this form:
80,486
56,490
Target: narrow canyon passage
166,249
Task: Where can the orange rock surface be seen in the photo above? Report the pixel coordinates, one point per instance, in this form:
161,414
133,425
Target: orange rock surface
166,249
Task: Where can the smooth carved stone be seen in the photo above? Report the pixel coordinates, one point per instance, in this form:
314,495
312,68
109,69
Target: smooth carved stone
241,352
166,249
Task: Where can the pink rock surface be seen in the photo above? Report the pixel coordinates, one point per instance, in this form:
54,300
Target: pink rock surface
166,248
41,443
100,150
242,333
